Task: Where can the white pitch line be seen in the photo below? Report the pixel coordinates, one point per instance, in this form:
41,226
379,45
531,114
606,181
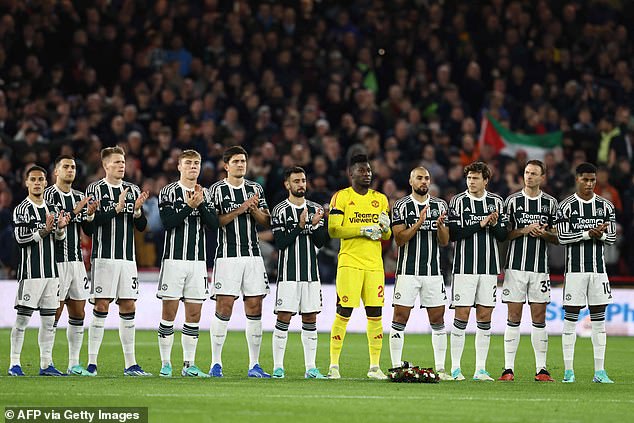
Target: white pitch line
352,397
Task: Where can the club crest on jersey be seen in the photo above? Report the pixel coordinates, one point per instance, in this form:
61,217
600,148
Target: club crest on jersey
434,213
165,198
544,209
491,208
375,203
600,212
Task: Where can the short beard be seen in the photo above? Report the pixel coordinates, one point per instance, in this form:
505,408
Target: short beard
421,191
298,194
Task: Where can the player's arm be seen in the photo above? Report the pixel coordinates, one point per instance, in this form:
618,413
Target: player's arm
320,236
226,218
403,234
609,232
564,232
336,227
457,230
499,229
262,216
208,213
442,233
100,217
170,218
25,232
282,236
550,236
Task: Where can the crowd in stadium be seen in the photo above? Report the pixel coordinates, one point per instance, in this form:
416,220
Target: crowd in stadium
312,83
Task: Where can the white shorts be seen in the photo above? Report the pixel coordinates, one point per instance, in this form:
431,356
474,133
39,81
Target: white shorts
519,284
430,290
472,290
581,289
73,281
40,293
183,279
240,275
114,279
298,297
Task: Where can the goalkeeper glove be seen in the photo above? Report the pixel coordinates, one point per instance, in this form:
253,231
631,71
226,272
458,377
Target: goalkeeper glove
384,222
373,232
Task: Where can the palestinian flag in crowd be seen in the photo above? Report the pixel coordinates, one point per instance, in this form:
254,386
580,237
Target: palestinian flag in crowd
509,143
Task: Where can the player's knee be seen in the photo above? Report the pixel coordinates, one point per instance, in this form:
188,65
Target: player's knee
344,311
373,311
401,314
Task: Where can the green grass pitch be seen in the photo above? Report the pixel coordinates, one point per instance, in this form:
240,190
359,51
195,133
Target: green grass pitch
352,399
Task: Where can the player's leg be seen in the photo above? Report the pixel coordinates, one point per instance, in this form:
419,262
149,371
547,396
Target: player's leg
575,298
461,318
309,305
75,334
406,289
194,291
287,299
127,294
253,333
78,293
255,286
349,282
337,336
166,334
599,295
309,344
400,317
96,331
24,313
375,341
280,338
48,304
105,276
539,339
227,280
514,294
433,298
511,339
482,341
485,302
438,339
538,298
189,339
218,331
463,297
372,294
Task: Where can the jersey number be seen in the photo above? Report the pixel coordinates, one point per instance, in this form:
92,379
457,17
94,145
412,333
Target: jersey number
380,292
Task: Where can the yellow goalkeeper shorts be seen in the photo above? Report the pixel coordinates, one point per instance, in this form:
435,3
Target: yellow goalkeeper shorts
354,285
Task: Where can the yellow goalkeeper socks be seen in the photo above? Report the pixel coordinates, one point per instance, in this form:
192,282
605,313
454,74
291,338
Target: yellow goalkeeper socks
337,335
375,340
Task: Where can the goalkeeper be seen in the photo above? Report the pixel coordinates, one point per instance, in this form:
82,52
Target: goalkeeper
359,217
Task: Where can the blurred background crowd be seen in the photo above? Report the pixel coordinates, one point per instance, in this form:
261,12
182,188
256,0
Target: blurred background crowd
311,83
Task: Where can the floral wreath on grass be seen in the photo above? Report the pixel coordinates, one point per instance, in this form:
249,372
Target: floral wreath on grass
412,374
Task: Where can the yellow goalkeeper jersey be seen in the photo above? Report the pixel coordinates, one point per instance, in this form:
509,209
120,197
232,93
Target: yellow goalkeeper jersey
349,212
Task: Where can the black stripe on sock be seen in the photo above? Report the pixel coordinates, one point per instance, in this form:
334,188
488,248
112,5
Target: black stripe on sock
127,316
254,317
484,325
571,317
539,325
221,317
309,327
512,324
398,326
438,327
102,314
47,312
283,326
459,324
